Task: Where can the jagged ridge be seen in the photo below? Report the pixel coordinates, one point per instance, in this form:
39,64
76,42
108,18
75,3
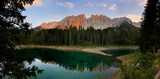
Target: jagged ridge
97,22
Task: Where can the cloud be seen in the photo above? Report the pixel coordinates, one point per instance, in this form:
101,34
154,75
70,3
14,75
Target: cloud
134,18
142,2
92,5
113,7
66,4
124,0
35,3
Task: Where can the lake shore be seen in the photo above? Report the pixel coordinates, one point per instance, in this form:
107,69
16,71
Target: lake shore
95,49
125,59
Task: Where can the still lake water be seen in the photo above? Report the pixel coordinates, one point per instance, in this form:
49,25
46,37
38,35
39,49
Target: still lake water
59,64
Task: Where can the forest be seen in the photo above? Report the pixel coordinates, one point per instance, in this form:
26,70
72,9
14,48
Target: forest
81,36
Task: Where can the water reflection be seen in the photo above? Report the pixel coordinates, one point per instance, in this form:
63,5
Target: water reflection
70,60
81,68
13,67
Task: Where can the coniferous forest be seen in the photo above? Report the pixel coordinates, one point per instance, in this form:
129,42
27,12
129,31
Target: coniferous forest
81,36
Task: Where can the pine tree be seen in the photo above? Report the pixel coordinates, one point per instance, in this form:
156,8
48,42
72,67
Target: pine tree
148,33
158,26
11,17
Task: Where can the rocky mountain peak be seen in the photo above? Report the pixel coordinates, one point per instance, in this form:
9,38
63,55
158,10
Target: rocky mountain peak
117,21
96,21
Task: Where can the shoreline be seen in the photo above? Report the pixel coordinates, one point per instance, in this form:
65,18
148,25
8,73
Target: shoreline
94,50
125,59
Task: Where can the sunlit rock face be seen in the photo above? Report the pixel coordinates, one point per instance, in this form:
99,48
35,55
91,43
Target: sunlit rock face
96,21
49,25
73,20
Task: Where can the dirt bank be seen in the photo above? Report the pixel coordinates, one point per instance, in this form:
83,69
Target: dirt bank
95,50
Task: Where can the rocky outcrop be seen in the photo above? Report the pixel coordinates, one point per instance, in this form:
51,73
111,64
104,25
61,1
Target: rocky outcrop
99,22
49,25
137,24
116,22
73,20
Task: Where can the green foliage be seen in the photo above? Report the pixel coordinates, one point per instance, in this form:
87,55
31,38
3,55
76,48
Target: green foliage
90,36
145,62
143,67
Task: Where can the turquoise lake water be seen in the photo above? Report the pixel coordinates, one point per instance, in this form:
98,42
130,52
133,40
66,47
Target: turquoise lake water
59,64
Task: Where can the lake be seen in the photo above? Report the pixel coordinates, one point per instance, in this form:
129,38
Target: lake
58,64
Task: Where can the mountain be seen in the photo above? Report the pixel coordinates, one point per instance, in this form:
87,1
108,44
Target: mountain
99,22
126,24
72,20
116,22
49,25
137,24
96,21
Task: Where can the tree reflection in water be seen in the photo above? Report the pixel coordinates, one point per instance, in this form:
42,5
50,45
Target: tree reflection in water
13,67
71,60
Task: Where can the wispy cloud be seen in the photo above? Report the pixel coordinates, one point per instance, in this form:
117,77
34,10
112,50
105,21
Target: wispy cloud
124,0
134,18
113,7
66,4
142,2
92,5
35,3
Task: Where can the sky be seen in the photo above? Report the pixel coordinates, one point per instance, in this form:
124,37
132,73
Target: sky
55,10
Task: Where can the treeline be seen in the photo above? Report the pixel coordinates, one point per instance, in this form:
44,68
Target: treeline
89,36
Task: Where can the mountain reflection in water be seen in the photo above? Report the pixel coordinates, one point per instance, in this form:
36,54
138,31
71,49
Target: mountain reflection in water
70,60
81,68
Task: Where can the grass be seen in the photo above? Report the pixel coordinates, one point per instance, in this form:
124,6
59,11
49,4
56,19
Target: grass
125,59
138,66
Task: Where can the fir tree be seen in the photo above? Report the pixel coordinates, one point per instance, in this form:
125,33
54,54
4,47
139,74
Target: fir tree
148,31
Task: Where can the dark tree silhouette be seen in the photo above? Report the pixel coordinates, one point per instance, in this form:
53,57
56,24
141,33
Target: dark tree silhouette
158,25
11,17
149,29
11,22
158,14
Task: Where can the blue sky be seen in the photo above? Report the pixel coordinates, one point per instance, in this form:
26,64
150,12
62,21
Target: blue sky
55,10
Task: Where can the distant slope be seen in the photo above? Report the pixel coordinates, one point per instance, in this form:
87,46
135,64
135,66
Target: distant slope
125,24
